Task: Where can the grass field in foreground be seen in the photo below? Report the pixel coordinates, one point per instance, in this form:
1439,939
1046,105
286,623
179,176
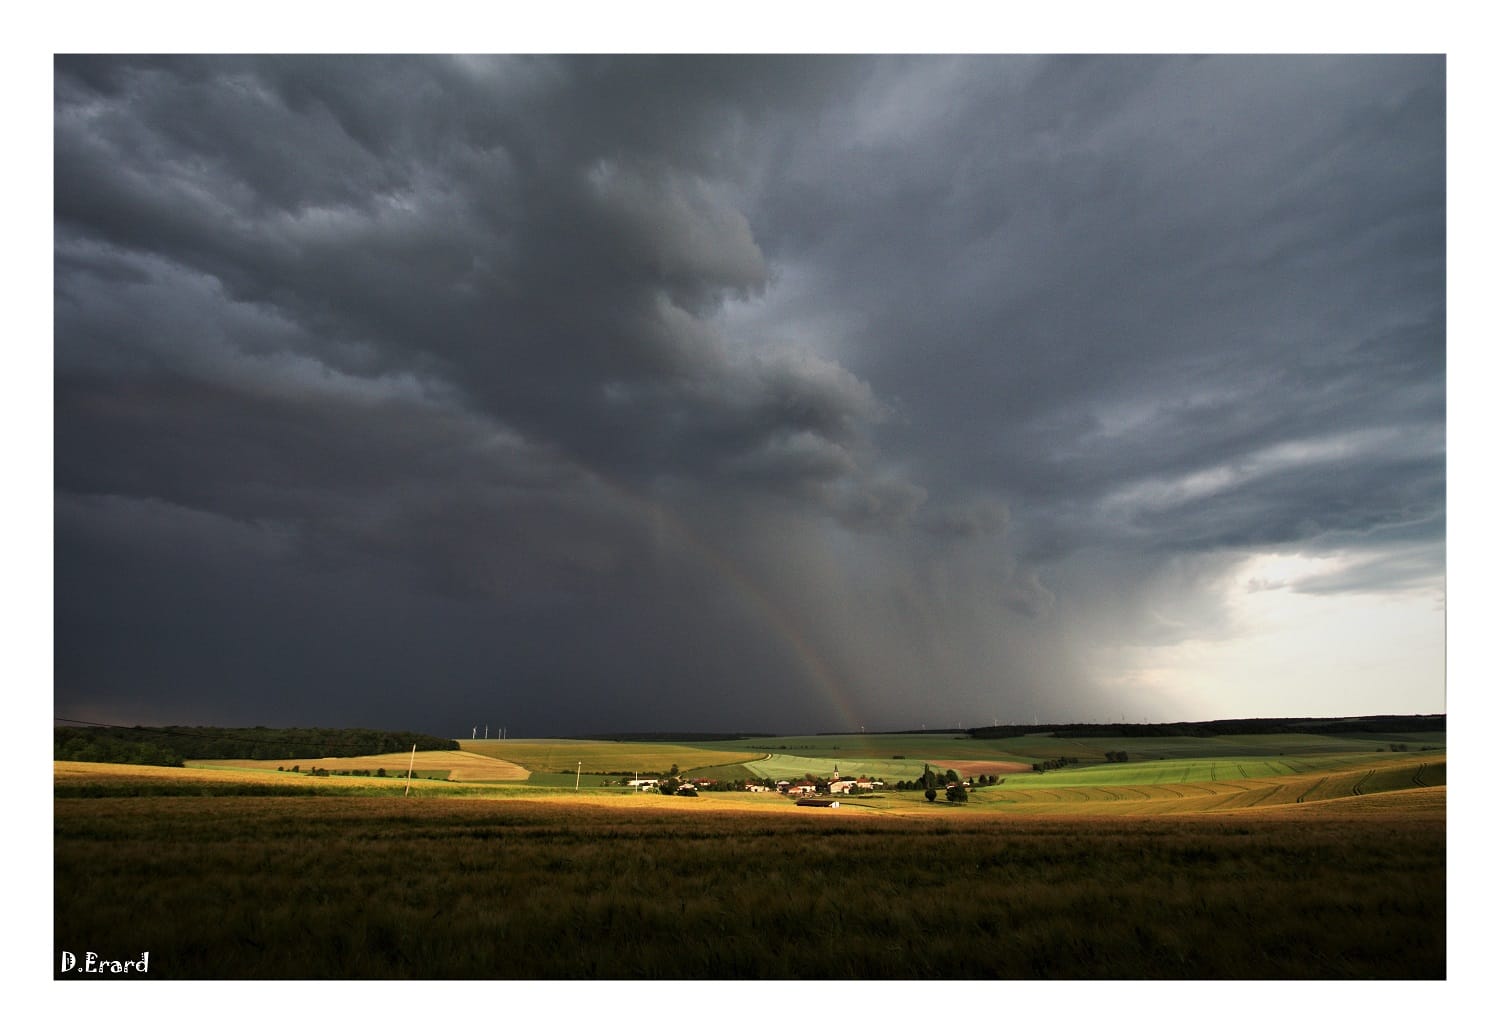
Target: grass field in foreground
628,888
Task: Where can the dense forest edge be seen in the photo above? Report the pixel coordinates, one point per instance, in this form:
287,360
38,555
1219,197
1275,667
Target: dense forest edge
171,745
1369,724
670,737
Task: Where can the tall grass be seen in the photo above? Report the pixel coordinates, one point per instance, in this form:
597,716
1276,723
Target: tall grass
455,888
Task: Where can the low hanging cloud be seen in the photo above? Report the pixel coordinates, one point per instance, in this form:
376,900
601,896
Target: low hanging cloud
739,392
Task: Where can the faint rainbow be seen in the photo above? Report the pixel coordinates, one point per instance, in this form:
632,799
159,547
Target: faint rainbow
815,668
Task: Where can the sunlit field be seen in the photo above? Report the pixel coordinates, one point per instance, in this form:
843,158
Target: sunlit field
603,756
1254,864
631,887
458,765
901,756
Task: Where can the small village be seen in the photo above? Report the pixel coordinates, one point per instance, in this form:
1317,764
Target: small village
808,786
807,789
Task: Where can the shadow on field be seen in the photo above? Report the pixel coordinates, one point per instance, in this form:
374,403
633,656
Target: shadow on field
351,888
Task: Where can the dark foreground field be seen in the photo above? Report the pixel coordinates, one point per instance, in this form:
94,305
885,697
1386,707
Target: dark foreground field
249,888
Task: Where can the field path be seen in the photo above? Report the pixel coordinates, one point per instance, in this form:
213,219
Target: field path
1303,798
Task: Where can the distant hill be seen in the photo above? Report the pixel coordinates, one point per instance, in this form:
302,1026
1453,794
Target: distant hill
1377,724
171,745
671,737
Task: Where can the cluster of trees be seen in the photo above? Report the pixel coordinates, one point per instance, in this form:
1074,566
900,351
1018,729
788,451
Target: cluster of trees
930,780
138,744
1047,766
956,793
102,746
1116,755
315,770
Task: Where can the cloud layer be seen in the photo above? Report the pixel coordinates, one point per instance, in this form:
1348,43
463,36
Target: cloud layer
611,393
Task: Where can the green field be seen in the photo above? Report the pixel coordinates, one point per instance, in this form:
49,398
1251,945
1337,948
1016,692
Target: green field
896,757
905,746
793,767
1205,770
851,751
604,756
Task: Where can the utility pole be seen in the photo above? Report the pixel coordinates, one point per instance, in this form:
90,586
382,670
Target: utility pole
409,769
578,778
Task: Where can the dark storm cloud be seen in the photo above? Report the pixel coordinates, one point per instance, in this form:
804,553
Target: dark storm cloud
1114,270
730,385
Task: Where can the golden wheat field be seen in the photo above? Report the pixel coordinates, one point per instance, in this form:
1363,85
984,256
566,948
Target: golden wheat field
626,888
1331,867
460,765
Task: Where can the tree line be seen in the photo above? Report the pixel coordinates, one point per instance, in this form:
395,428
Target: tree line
1389,724
101,746
170,745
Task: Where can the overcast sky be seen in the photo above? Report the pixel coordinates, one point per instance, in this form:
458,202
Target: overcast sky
784,394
